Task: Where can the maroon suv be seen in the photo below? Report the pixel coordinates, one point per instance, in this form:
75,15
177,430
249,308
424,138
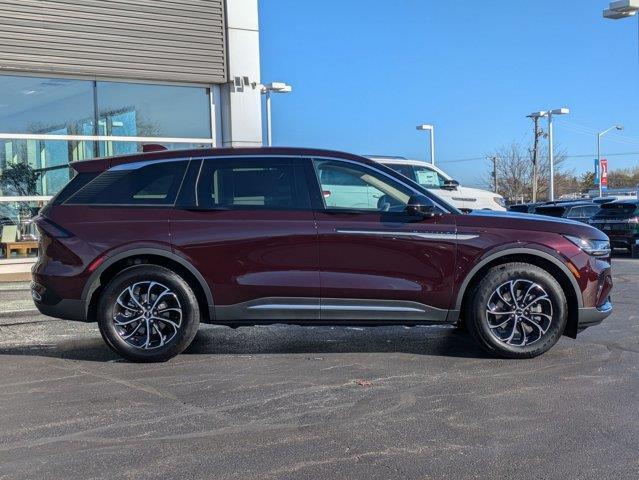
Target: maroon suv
151,245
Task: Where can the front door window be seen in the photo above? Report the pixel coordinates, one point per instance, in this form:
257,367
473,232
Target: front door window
352,187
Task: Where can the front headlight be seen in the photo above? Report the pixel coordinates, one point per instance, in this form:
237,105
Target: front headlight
596,248
500,201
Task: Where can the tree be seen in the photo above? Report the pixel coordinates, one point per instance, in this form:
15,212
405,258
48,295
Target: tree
623,178
587,181
515,173
19,179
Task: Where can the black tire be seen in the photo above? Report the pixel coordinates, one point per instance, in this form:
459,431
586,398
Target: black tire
461,326
155,279
477,318
634,251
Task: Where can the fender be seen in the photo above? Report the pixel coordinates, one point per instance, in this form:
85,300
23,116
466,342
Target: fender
94,279
455,312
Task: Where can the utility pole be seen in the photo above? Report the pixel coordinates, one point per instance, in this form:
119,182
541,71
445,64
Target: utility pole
494,160
538,133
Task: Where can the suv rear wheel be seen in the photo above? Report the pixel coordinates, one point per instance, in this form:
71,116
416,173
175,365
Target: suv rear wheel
517,310
148,313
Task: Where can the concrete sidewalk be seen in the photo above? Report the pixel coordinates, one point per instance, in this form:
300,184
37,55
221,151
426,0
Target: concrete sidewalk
15,277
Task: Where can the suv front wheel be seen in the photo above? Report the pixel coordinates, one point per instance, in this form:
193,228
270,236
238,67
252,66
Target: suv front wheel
517,310
148,313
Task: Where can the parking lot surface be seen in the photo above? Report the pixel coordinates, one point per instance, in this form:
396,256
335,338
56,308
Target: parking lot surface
293,402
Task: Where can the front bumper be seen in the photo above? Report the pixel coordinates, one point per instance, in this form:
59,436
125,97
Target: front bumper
594,315
623,241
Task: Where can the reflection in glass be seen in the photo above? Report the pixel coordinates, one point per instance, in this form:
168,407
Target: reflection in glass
47,158
46,105
18,234
56,106
141,110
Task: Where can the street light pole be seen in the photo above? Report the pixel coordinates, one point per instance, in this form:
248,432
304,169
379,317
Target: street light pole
431,129
277,87
599,135
269,140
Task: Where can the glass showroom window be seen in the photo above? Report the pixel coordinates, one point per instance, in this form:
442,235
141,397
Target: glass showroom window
36,168
50,106
141,110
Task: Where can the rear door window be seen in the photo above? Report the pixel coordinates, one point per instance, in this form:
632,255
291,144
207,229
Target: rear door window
134,184
576,212
590,211
253,184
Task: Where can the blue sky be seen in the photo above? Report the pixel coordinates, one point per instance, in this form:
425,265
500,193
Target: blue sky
366,72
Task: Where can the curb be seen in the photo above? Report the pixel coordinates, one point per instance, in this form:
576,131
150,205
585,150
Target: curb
19,313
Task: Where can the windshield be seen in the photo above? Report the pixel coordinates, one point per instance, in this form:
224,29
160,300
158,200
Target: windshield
423,175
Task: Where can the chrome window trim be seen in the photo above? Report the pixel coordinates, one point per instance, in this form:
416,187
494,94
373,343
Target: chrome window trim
123,167
302,156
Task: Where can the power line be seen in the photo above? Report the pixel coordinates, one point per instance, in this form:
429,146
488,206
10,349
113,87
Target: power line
584,155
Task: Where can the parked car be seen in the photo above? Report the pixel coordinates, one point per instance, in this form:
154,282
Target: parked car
620,221
525,207
602,200
612,198
150,245
578,210
443,186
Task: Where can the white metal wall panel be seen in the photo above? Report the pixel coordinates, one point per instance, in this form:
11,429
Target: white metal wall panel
154,40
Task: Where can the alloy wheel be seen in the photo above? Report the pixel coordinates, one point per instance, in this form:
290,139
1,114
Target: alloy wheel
519,312
147,315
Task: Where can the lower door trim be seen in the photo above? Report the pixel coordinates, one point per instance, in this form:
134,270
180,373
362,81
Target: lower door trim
331,309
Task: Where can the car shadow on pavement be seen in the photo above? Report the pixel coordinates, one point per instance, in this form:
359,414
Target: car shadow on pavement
438,341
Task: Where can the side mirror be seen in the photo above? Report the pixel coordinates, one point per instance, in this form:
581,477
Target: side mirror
450,185
420,205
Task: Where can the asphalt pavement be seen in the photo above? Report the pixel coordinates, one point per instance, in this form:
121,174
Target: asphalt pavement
318,403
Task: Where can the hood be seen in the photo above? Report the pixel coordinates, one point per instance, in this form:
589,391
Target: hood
531,221
479,193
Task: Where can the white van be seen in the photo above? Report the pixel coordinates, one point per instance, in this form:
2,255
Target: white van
442,185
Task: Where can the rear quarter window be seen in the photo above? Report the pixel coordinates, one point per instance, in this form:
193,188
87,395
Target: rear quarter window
154,184
75,184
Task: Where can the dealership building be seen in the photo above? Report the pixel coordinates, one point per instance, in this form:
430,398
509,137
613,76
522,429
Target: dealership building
87,78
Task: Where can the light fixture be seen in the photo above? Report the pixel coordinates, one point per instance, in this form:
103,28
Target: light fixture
276,87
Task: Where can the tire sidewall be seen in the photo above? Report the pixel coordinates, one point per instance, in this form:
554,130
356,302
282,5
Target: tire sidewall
141,273
502,274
